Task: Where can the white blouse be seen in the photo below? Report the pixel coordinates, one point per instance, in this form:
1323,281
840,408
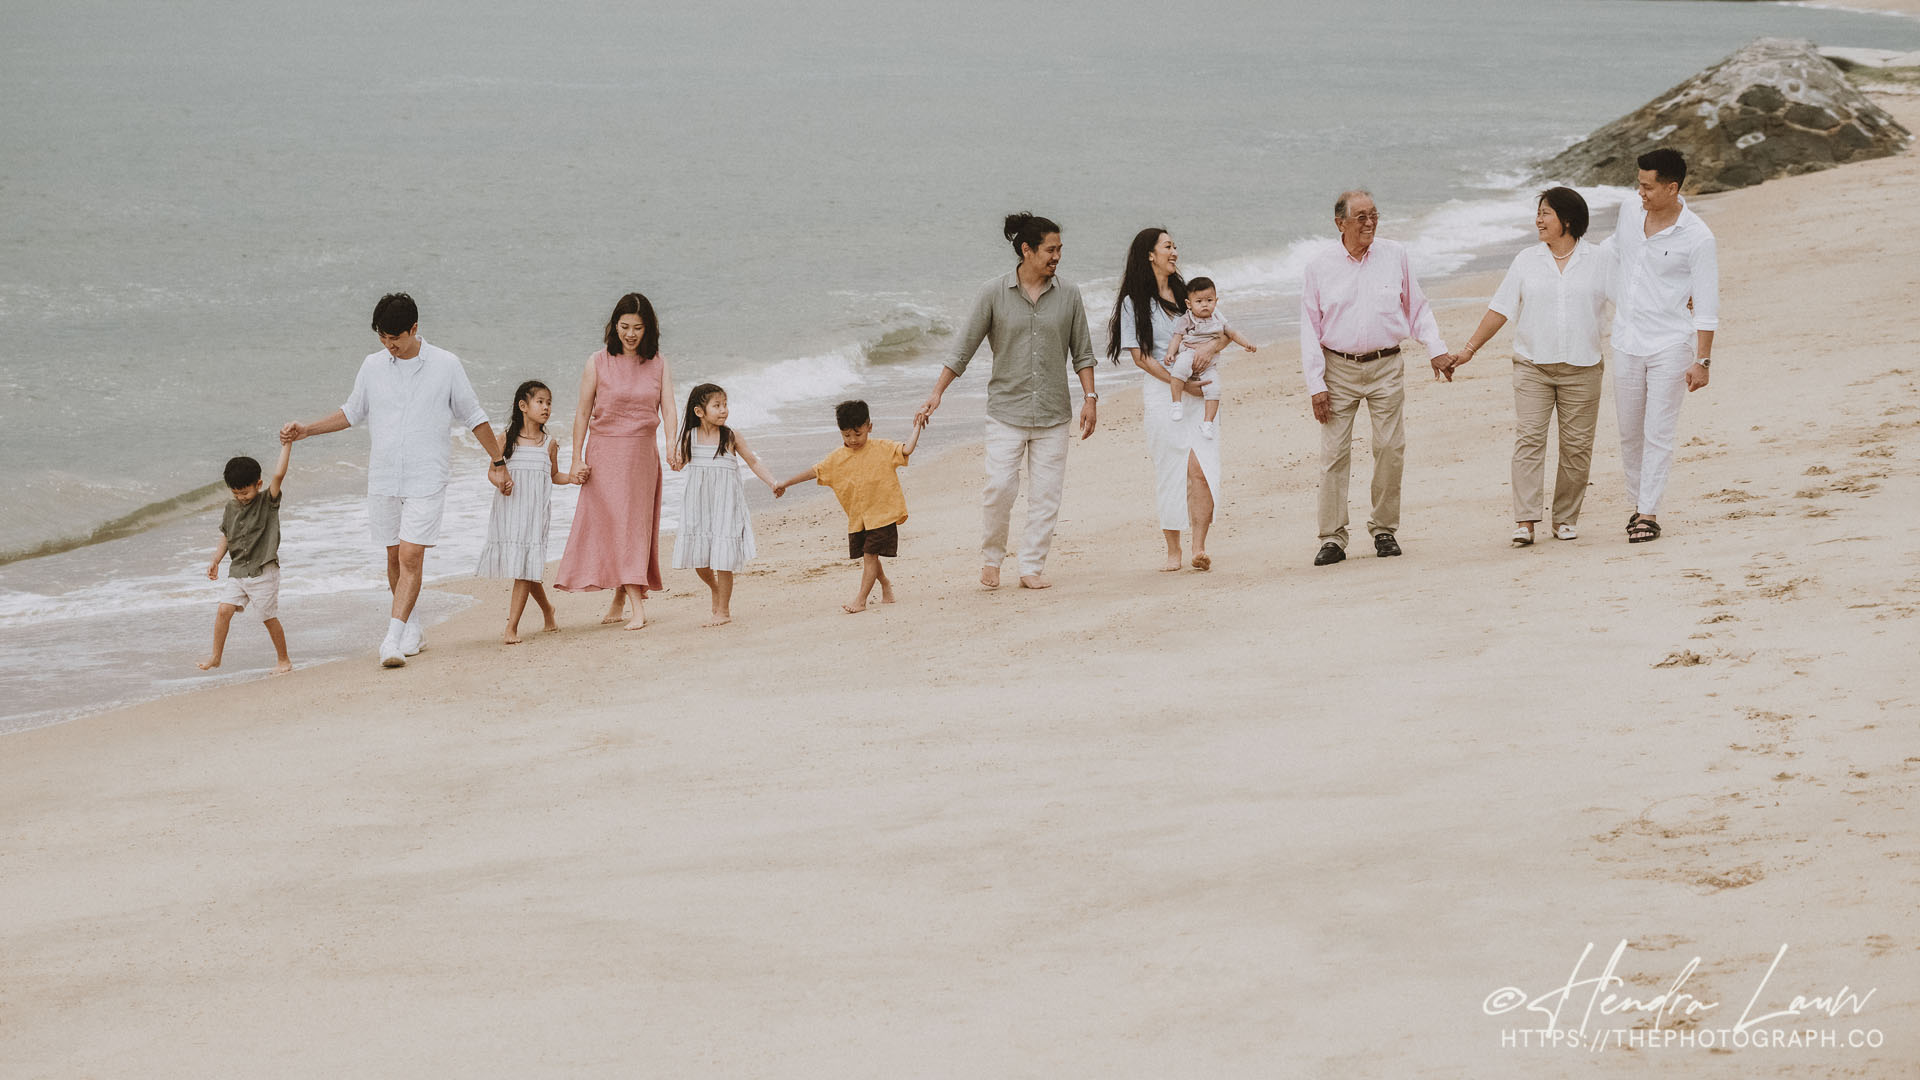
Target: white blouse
1557,314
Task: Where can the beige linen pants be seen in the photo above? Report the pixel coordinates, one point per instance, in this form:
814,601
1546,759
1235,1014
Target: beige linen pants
1539,391
1382,384
1044,450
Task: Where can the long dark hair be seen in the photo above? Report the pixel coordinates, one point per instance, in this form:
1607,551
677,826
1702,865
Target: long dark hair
1138,284
519,422
697,399
634,304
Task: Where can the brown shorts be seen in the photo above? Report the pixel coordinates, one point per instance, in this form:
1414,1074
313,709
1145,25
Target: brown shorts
884,541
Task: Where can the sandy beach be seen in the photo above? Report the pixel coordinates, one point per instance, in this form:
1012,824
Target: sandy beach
1270,820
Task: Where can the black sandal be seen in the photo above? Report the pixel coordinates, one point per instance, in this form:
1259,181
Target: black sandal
1631,518
1643,530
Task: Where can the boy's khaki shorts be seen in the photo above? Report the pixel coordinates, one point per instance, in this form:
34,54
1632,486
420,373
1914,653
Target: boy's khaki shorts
262,592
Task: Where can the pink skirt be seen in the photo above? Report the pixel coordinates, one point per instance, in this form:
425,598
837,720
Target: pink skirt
615,538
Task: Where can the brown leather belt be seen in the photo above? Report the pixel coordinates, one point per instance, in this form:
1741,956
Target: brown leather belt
1365,357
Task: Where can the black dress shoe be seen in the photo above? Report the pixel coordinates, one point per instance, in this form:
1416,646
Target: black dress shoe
1385,546
1330,553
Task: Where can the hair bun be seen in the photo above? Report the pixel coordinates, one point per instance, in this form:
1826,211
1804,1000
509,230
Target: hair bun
1016,224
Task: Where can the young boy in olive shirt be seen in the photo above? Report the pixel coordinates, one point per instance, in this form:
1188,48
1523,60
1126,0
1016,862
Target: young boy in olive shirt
864,476
250,532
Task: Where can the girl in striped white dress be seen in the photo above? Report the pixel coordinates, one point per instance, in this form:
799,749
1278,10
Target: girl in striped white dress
716,532
517,529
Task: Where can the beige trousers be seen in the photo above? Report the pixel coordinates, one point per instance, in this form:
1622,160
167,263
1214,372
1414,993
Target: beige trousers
1382,384
1044,452
1540,391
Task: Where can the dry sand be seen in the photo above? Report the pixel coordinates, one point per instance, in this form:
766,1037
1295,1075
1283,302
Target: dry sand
1270,820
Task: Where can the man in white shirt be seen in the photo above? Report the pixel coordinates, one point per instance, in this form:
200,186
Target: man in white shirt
408,396
1358,302
1666,306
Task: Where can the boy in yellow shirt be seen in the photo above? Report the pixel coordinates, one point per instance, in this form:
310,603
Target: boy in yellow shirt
863,476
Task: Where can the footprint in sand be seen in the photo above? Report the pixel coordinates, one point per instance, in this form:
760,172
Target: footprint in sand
1683,658
1817,470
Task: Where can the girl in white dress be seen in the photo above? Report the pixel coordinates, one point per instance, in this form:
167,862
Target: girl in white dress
716,531
517,528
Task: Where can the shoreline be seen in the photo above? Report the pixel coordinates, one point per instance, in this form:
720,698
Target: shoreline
1267,820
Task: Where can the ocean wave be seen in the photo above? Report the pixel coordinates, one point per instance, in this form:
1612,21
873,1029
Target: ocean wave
151,516
906,333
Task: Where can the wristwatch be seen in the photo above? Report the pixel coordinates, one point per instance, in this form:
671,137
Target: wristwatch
497,462
1704,361
1090,396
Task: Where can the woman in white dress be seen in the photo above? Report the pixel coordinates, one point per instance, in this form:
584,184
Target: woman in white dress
1186,467
1555,292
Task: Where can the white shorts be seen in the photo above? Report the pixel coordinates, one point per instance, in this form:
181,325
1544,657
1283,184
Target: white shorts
416,520
1182,369
262,592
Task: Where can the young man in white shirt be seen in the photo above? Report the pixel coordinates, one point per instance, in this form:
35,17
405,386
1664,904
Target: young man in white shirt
408,396
1666,306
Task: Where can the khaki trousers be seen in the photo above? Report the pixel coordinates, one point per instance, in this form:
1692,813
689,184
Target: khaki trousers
1540,391
1044,452
1382,384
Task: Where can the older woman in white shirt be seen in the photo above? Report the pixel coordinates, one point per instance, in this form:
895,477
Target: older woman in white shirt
1555,291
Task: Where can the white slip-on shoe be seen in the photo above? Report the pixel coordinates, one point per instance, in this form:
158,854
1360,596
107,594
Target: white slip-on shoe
412,640
1564,531
1175,411
390,653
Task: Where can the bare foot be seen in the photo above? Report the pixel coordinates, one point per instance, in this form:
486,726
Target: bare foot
1201,562
612,617
720,618
283,667
1035,581
886,593
209,663
511,637
551,627
1173,563
638,622
854,609
990,576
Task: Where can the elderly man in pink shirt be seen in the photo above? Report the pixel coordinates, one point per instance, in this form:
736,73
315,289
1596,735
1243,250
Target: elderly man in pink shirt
1358,302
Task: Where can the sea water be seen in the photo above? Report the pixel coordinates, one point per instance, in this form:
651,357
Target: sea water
204,198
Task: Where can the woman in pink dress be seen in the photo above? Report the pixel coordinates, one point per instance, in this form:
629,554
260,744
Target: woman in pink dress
626,395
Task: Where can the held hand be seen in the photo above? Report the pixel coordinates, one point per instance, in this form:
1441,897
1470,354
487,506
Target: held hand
1443,366
498,476
581,472
1323,406
925,415
292,431
1089,416
1696,378
779,490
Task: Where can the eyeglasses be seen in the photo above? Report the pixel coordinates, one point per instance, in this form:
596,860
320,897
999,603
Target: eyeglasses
1368,216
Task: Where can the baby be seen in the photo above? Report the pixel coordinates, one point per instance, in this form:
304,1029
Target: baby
1200,326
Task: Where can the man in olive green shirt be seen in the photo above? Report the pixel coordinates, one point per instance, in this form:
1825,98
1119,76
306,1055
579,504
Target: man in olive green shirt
1037,328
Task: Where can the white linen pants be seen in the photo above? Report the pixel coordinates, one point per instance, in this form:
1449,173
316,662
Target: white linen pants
1647,392
1044,450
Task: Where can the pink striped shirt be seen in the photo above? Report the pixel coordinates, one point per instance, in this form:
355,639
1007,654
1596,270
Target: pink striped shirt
1360,305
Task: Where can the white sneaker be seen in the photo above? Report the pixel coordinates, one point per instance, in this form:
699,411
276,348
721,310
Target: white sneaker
1177,410
391,654
413,640
1206,429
